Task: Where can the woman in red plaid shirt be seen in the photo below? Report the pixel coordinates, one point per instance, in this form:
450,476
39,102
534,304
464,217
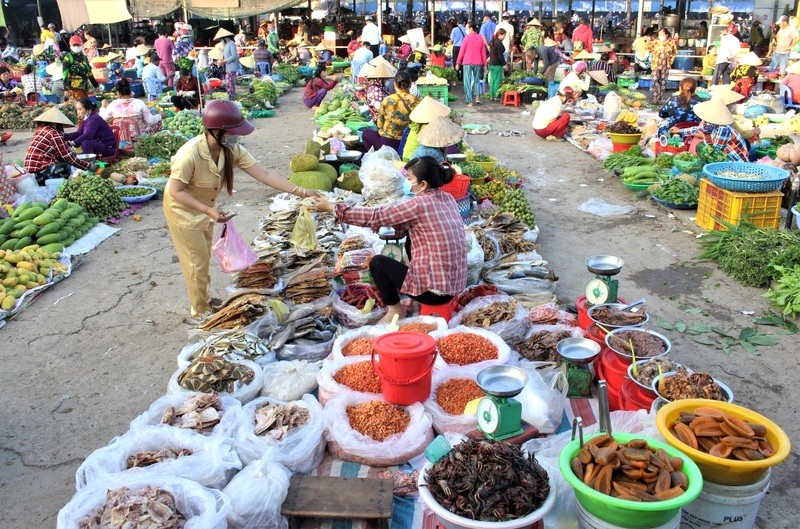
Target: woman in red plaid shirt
437,269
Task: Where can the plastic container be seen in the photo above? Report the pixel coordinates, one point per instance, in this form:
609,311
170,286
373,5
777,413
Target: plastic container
717,469
634,397
438,92
552,89
587,520
762,209
596,334
614,369
404,366
627,513
486,166
583,306
442,311
765,178
624,81
731,507
458,187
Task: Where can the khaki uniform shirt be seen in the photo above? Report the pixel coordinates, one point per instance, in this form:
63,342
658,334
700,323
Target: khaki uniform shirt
193,166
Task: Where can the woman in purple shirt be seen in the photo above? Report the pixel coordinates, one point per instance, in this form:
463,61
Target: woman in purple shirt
94,135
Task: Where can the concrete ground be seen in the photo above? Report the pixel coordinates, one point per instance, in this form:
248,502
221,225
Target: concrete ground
97,349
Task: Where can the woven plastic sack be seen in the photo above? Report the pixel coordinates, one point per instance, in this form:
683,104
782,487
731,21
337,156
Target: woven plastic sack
202,507
510,331
212,462
300,451
231,410
244,394
443,421
503,351
232,253
370,331
257,494
328,387
290,379
347,444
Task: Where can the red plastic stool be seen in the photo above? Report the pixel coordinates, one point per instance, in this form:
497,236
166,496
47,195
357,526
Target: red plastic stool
442,311
511,97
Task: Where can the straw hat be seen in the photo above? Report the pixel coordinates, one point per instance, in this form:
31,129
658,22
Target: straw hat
55,116
534,22
322,47
795,68
550,42
725,93
381,71
427,109
600,76
248,62
222,33
215,54
750,59
422,47
55,70
440,132
602,48
583,55
106,47
141,49
404,39
366,70
714,111
38,49
113,55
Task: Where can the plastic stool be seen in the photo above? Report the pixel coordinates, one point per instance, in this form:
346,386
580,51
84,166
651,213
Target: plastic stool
442,311
511,97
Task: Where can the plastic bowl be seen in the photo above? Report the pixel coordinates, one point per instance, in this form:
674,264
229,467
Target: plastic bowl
486,166
618,306
453,521
214,82
724,387
628,513
5,135
717,469
626,356
139,199
625,139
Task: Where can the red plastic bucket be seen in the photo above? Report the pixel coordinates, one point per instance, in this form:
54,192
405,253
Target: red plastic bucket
596,335
614,369
404,367
635,397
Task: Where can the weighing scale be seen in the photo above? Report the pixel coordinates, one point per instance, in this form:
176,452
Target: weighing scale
500,415
603,289
576,354
392,246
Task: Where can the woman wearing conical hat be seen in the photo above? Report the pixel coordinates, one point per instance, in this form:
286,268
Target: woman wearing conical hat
48,150
745,74
716,129
230,56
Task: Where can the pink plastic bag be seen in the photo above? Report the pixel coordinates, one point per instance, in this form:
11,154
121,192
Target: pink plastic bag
231,251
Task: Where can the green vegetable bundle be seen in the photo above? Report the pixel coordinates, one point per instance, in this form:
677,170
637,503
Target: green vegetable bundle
664,161
646,174
472,170
687,162
677,191
289,72
621,160
263,91
710,154
445,73
785,291
163,144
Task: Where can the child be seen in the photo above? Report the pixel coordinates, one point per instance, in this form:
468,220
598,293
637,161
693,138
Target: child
710,61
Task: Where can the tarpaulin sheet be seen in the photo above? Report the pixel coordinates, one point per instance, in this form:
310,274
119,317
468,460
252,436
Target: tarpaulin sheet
73,14
246,8
153,8
107,11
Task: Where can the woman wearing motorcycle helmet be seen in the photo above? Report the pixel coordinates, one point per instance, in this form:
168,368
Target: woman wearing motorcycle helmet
201,168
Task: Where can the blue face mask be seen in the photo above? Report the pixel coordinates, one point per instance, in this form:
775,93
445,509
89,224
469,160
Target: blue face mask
407,187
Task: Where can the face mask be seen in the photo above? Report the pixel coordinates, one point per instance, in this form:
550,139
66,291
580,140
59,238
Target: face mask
230,140
407,187
76,49
662,38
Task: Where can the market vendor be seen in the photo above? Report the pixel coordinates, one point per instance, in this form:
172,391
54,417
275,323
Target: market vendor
48,152
549,121
131,115
745,74
324,55
437,269
680,108
94,134
603,64
187,91
215,69
9,89
549,57
792,80
318,87
578,79
393,116
376,91
427,109
201,168
438,57
115,70
153,78
716,130
731,98
54,82
439,137
77,70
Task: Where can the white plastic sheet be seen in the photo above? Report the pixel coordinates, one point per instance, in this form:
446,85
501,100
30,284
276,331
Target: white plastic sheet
290,379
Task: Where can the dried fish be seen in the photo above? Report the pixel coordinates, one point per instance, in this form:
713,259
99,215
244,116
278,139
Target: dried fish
151,457
234,346
276,420
260,275
207,374
145,508
354,242
493,313
236,312
309,286
541,346
200,413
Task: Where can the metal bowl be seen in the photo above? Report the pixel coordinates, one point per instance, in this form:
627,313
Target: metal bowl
87,157
654,386
349,156
578,350
646,387
617,306
457,157
604,265
502,381
625,355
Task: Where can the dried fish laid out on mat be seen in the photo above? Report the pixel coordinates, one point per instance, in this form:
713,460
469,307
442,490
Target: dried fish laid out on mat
276,420
235,346
200,413
259,275
208,373
237,311
308,286
148,507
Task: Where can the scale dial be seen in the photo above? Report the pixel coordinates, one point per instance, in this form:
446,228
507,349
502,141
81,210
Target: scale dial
597,292
488,415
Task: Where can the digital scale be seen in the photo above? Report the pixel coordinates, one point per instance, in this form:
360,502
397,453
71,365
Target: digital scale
603,288
392,246
576,353
500,415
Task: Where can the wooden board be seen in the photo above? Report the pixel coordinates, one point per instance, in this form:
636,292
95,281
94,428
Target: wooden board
339,498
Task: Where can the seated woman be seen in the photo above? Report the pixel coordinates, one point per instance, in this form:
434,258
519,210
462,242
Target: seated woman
550,122
375,91
680,108
439,137
393,117
792,80
9,91
427,109
94,135
437,269
215,70
577,79
48,152
317,87
745,74
715,129
130,114
31,85
186,90
604,64
405,48
730,98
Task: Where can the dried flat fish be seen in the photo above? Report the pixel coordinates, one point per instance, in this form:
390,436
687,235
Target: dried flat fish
207,374
309,286
144,508
354,242
200,413
541,346
151,457
493,313
234,346
236,312
276,420
260,275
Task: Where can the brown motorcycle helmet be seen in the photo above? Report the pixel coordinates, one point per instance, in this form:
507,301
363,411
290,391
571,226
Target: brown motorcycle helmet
225,115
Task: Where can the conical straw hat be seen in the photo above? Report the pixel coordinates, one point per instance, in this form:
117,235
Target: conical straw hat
534,22
599,76
248,62
382,69
141,49
322,47
714,111
422,47
38,50
601,48
215,54
113,55
750,59
550,42
440,132
583,55
794,68
55,70
404,39
725,93
427,109
366,70
54,115
222,32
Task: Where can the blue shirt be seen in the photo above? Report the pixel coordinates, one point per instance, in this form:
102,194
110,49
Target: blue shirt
433,152
487,30
458,34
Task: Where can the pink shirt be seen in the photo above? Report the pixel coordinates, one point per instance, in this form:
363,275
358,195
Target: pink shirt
473,51
792,80
164,48
583,33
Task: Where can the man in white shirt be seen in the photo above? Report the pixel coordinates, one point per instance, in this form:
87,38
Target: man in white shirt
360,57
509,38
372,34
785,40
549,122
729,48
153,78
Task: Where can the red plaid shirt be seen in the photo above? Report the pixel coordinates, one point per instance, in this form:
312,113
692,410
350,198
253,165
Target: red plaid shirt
48,147
438,244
